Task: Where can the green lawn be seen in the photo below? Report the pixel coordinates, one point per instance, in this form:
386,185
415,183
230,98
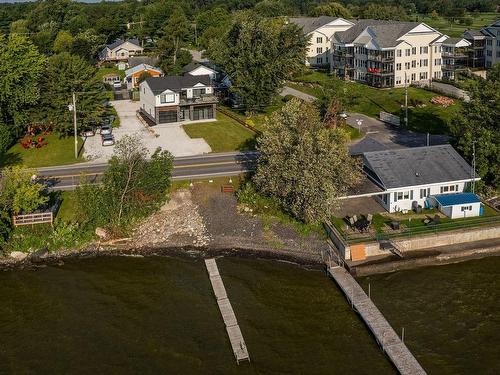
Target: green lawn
67,211
58,151
423,115
455,29
101,72
223,135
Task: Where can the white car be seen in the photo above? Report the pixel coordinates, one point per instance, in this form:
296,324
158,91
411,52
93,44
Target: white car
106,129
343,115
117,85
108,140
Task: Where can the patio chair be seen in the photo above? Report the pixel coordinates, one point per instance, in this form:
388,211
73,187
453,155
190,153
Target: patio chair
352,222
355,218
369,218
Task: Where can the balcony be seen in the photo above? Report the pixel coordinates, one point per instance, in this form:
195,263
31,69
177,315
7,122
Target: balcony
453,67
341,53
203,99
456,55
380,72
380,58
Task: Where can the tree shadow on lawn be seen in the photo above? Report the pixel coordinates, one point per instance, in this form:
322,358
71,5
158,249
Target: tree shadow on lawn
249,144
425,121
10,158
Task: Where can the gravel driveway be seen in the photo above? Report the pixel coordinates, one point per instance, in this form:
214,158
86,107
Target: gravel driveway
169,137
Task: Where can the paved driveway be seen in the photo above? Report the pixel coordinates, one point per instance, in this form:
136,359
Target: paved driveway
169,137
379,136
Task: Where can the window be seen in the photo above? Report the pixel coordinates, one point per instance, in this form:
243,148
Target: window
167,98
319,39
413,63
407,52
403,195
423,75
413,77
319,60
398,53
198,92
319,50
398,66
424,62
489,42
407,65
437,62
414,51
488,53
498,43
466,208
424,50
398,80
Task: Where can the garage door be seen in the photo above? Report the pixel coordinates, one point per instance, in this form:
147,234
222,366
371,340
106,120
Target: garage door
167,116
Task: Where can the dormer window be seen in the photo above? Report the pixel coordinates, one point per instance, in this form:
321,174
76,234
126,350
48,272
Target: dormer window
199,92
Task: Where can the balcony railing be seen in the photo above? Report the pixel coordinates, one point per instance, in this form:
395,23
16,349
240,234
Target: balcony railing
453,67
380,58
203,99
341,53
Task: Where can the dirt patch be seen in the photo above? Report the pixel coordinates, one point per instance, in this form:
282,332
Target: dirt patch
177,222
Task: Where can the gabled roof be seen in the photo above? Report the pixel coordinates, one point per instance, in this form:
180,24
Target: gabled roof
473,34
384,33
194,65
309,24
137,60
456,42
141,67
119,42
453,199
417,166
175,83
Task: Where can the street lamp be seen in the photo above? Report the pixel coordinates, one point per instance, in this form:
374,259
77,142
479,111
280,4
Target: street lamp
72,107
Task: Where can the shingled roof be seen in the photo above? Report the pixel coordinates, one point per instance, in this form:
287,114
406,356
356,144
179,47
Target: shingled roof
386,33
175,83
310,24
119,42
417,166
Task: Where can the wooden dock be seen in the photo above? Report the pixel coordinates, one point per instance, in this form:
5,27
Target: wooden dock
387,338
233,329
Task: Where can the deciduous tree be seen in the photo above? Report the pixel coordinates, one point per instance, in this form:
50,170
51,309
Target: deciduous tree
259,54
479,122
303,165
21,68
332,10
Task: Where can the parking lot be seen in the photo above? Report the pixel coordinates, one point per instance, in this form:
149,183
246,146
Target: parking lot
169,137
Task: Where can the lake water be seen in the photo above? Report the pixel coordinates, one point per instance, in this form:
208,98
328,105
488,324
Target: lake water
158,315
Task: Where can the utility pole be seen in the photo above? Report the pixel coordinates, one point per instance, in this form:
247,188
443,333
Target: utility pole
473,167
74,125
406,101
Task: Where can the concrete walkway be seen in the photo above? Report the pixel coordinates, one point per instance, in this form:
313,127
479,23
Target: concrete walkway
298,94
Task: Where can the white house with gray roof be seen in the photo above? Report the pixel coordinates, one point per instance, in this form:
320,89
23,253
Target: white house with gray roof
177,99
320,31
121,50
492,45
385,53
412,177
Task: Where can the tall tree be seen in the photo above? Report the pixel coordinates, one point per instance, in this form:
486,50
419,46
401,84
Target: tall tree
304,165
479,123
66,74
259,54
176,31
63,42
21,68
384,12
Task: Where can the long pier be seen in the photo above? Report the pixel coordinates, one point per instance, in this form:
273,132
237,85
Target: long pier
385,335
233,329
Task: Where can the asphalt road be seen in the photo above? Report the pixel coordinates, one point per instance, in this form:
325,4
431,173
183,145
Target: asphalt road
185,168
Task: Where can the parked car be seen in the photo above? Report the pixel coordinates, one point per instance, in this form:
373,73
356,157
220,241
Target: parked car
117,85
107,140
343,115
106,129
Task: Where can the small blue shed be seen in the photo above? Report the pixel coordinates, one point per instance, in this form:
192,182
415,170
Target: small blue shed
460,205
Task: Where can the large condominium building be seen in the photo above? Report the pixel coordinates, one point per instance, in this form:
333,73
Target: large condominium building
477,42
383,53
320,31
492,47
455,56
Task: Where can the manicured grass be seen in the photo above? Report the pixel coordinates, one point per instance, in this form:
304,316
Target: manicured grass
455,29
68,209
257,120
57,151
101,72
423,115
223,135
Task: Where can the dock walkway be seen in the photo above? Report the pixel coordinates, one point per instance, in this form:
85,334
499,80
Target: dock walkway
390,342
233,329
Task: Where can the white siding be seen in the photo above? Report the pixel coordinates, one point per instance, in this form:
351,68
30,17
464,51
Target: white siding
462,210
147,99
